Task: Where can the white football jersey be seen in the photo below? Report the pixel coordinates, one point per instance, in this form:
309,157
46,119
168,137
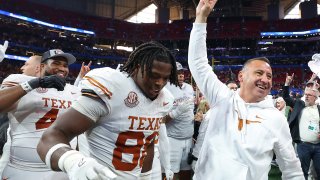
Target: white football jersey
181,127
33,114
119,139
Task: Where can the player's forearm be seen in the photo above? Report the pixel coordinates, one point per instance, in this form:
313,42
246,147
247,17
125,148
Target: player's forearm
77,81
50,138
9,96
148,160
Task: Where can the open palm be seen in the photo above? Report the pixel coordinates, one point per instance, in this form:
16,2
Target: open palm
205,7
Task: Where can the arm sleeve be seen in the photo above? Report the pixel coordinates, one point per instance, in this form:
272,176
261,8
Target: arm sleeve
289,101
213,89
93,108
164,148
286,157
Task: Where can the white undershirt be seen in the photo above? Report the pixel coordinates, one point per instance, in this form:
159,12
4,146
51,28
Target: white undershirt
309,124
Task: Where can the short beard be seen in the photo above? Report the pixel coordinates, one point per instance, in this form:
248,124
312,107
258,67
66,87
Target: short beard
307,104
46,73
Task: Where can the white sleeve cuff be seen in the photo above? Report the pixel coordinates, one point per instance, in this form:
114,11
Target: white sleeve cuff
51,151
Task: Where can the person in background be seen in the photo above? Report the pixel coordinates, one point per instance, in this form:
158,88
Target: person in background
33,104
232,85
282,107
304,125
30,68
180,126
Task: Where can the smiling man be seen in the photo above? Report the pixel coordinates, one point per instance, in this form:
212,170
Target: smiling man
121,112
244,127
33,104
304,125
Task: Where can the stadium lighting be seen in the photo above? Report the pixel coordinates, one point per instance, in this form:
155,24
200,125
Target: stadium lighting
45,23
13,57
296,33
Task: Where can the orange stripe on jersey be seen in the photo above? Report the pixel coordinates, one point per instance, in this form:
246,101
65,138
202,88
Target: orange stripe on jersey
9,84
89,94
99,85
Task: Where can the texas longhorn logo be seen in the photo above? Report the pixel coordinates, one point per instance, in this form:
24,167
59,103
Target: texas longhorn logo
132,100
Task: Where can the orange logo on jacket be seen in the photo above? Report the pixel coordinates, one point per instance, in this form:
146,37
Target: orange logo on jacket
241,121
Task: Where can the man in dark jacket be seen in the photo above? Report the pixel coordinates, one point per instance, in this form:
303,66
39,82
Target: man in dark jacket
304,126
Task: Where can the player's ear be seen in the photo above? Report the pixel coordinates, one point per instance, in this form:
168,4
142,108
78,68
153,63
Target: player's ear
240,76
38,67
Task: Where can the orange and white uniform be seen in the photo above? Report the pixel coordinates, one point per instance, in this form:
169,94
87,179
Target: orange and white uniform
30,117
120,136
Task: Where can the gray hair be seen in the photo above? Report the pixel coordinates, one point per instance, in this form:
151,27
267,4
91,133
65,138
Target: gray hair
316,91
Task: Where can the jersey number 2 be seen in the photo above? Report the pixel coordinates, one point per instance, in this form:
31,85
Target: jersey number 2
47,119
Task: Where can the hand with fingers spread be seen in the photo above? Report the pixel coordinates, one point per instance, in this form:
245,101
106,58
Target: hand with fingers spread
289,79
313,77
84,69
203,10
3,49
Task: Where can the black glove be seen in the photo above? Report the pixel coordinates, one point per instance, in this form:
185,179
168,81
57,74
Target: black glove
53,81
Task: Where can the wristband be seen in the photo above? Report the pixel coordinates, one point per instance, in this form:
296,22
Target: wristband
51,151
26,87
63,158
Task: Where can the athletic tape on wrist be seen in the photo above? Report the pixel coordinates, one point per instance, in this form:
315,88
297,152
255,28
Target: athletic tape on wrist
26,87
51,151
63,158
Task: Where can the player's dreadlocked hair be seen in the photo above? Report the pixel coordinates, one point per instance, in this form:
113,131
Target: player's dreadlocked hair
144,56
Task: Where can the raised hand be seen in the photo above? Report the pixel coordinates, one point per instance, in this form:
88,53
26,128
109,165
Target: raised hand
203,10
84,69
314,64
3,49
313,77
289,79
